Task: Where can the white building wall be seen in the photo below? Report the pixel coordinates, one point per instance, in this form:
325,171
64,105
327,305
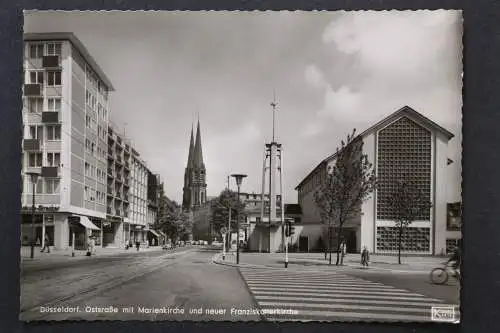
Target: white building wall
366,234
440,196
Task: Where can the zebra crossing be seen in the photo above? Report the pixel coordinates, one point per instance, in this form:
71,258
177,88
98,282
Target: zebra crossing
285,295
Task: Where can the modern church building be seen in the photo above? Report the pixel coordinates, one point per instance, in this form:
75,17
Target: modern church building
404,144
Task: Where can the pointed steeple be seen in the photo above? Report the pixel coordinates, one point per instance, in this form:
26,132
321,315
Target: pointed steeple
191,150
198,155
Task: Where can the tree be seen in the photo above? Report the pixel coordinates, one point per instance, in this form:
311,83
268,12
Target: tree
409,203
348,183
171,220
219,211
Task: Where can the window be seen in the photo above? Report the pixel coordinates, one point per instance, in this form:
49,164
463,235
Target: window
454,216
35,160
87,120
54,78
87,169
404,153
87,145
35,105
92,149
54,104
54,132
86,193
36,51
36,132
413,239
36,77
39,186
54,159
54,49
52,186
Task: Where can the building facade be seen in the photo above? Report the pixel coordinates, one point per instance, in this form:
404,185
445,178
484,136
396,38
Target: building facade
195,186
65,121
405,145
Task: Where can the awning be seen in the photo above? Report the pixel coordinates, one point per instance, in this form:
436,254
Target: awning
161,233
154,233
87,223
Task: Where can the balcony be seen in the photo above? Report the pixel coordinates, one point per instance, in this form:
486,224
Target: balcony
119,159
109,211
110,190
125,198
126,183
110,172
31,145
50,117
118,212
127,164
119,140
51,62
110,153
33,89
50,172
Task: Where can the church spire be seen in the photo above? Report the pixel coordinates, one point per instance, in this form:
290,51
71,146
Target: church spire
191,150
198,154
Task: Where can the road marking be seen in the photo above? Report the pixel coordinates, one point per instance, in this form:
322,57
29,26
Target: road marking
333,296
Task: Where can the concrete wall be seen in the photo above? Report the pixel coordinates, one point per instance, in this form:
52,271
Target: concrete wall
369,209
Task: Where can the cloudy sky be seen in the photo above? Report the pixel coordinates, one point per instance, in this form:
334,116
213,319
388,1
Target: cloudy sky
332,72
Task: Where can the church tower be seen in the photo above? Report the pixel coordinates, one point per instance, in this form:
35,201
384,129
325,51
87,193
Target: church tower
195,187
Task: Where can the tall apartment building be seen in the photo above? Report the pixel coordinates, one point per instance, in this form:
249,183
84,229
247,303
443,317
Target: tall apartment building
65,122
138,198
119,154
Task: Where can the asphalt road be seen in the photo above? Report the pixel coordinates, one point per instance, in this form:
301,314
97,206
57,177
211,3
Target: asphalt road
183,285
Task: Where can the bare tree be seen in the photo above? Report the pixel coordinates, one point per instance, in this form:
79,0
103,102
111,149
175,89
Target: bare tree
409,204
349,182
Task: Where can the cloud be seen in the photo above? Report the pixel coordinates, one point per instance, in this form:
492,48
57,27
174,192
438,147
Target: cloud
314,76
343,102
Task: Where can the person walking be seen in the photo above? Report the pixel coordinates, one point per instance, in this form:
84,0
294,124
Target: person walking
46,244
343,251
137,245
365,257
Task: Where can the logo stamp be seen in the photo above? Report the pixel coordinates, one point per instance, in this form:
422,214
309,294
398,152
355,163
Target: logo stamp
443,313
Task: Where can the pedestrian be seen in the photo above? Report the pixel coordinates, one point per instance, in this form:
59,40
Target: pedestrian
365,257
89,247
147,244
46,244
137,244
343,250
92,245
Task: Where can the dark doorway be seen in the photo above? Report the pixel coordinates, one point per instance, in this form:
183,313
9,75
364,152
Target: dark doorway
303,244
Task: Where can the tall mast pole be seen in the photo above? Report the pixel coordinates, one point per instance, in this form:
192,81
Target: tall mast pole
274,104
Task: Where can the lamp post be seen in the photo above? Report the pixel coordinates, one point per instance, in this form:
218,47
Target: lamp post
239,179
34,178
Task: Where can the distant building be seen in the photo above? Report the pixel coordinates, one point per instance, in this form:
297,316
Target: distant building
65,121
405,144
195,186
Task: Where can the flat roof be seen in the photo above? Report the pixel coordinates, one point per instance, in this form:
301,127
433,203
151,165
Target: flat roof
77,43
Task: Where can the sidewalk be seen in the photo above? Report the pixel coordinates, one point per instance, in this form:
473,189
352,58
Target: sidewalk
416,264
63,255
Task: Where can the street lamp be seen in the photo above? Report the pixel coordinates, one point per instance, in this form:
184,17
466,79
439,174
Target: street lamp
34,178
239,179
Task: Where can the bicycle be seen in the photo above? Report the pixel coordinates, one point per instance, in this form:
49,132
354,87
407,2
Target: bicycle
440,275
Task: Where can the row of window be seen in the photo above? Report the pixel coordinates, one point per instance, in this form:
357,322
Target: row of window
51,77
51,159
99,153
44,186
92,195
36,104
38,50
52,132
93,171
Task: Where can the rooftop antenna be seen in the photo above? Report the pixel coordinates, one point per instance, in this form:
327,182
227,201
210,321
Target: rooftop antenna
274,104
125,130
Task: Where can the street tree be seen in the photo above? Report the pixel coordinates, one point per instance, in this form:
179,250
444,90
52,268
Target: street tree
347,184
219,211
409,204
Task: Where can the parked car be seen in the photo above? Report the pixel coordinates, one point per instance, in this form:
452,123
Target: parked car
167,246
